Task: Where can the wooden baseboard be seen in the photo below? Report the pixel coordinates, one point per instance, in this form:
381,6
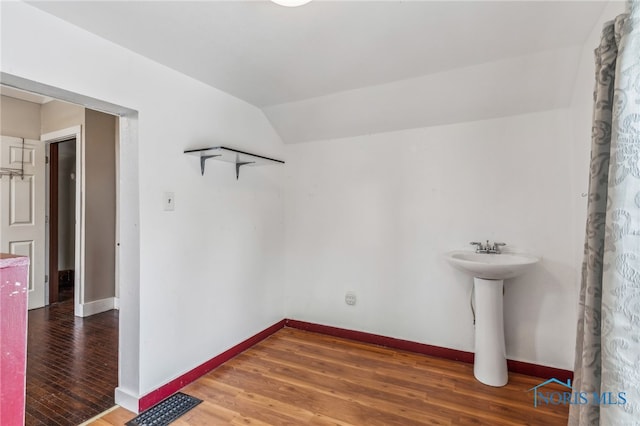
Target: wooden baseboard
175,385
541,371
421,348
152,398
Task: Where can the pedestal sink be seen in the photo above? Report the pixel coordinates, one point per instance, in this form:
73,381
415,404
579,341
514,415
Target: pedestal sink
488,272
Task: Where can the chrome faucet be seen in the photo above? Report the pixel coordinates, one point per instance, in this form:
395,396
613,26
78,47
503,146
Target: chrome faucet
479,247
487,248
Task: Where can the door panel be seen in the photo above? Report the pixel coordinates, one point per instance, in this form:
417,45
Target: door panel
22,203
24,248
22,212
15,154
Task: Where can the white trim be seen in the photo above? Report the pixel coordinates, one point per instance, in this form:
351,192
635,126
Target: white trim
117,236
57,136
96,307
116,303
127,400
47,213
61,135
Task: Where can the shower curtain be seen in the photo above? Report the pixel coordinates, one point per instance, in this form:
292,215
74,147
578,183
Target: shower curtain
608,334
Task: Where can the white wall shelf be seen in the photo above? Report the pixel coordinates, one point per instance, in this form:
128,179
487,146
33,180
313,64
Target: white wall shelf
230,155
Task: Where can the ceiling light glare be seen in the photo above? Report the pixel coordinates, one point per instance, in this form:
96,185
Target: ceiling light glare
291,3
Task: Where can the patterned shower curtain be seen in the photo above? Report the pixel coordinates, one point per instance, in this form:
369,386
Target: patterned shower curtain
608,335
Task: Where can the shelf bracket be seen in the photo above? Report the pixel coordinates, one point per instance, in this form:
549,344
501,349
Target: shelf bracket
241,163
230,155
204,158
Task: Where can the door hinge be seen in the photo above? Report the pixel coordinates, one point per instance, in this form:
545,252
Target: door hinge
46,278
46,219
46,160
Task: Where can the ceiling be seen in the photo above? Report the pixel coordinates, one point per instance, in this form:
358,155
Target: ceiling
272,56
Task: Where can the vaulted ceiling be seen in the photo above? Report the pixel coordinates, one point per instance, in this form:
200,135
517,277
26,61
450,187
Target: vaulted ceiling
331,69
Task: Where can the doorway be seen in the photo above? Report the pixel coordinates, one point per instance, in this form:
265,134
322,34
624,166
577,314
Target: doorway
82,168
127,229
73,342
61,220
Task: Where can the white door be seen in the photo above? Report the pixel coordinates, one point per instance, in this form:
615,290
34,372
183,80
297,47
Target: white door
22,211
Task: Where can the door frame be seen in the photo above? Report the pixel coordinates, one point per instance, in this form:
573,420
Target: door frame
78,284
51,223
128,240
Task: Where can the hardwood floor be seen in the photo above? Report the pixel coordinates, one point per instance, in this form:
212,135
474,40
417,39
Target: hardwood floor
296,377
72,365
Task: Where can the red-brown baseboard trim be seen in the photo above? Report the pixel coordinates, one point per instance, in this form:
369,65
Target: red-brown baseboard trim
175,385
376,339
421,348
152,398
541,371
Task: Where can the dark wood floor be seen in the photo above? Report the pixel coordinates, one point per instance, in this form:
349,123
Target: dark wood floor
300,378
72,364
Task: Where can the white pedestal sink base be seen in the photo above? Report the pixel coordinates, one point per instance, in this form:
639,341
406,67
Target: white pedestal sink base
490,363
489,270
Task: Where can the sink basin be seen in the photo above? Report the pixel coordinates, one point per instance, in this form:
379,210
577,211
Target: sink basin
491,266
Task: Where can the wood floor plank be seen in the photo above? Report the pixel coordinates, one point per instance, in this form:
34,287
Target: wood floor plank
369,395
339,373
296,377
72,365
118,416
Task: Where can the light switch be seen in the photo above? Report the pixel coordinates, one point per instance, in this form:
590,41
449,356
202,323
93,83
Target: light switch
169,201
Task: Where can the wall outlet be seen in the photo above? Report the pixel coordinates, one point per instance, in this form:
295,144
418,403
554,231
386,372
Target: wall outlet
350,298
169,201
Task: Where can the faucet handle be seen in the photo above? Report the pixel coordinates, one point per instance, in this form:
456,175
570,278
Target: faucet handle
496,246
477,244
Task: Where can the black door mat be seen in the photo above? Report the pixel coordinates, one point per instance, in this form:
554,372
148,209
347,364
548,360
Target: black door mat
166,411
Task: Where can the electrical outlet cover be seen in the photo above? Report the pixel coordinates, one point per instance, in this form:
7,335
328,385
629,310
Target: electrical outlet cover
350,298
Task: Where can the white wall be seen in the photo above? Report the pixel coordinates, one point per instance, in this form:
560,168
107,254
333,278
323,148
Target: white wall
211,272
374,214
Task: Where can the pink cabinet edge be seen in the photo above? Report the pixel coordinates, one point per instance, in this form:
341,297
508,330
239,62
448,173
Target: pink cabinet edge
14,276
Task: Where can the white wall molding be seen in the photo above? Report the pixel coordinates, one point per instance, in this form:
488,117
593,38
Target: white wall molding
127,399
96,307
